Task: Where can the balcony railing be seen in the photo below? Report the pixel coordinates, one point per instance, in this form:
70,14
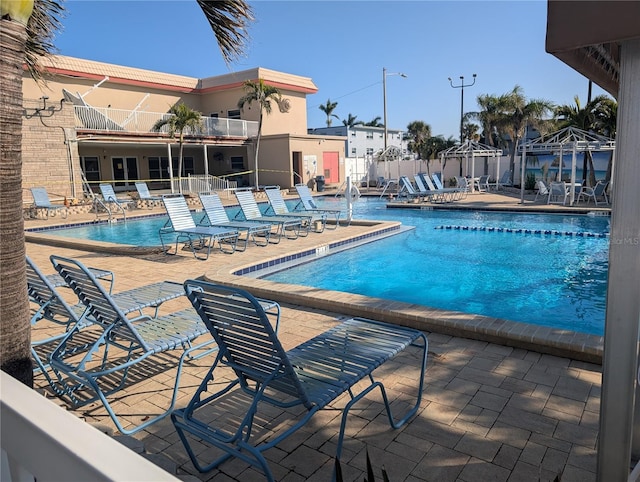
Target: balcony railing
140,122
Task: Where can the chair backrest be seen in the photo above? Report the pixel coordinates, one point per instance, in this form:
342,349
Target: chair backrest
248,343
558,188
274,195
108,194
542,188
437,181
406,184
429,182
178,212
101,306
600,188
306,197
213,208
462,183
40,197
143,190
506,177
248,205
41,291
483,181
420,183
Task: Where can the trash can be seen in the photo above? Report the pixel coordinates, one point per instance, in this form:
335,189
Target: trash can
320,183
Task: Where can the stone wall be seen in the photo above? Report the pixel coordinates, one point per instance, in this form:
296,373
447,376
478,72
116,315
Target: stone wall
49,150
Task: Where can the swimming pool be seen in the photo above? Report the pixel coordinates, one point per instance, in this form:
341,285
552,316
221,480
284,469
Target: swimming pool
549,279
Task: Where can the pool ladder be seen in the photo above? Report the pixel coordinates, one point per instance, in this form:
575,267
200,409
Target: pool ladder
97,203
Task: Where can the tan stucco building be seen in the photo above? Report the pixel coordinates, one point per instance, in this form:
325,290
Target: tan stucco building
103,130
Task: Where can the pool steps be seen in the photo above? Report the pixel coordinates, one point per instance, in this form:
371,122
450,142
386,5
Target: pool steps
580,234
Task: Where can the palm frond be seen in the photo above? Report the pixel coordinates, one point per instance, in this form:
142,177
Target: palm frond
45,21
229,20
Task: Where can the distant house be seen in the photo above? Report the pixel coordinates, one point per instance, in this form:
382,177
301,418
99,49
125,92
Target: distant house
364,141
92,122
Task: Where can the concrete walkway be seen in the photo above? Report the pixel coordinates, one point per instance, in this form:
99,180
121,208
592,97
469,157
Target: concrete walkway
490,411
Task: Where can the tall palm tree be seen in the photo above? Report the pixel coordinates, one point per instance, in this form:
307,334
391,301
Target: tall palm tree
328,109
26,31
182,118
351,121
488,116
517,113
27,28
418,133
263,95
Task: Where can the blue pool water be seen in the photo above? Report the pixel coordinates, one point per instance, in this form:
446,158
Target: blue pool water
550,279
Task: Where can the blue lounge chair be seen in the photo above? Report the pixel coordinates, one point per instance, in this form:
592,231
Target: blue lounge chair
408,190
41,202
308,204
109,197
96,361
48,305
284,226
298,383
182,228
277,207
442,194
145,195
216,215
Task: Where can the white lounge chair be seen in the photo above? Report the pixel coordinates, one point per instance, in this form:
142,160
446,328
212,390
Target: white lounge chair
308,204
542,190
145,195
558,190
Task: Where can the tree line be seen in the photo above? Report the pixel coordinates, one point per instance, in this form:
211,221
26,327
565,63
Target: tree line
502,122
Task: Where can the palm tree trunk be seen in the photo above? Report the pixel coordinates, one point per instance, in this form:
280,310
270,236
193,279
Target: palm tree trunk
258,148
15,329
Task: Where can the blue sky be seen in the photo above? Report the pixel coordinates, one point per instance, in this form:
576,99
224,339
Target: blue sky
343,47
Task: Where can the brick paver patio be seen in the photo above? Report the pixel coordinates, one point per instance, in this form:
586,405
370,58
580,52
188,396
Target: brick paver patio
489,411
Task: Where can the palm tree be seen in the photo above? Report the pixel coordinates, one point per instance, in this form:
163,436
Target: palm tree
328,109
262,94
605,124
517,113
182,118
351,121
488,116
375,122
588,118
418,133
27,28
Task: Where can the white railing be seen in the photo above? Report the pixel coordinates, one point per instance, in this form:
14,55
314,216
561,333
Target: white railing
120,120
42,441
193,184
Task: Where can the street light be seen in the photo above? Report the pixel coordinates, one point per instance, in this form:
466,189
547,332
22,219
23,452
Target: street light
461,87
384,108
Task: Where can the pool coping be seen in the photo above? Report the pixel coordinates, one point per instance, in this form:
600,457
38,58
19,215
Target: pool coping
542,339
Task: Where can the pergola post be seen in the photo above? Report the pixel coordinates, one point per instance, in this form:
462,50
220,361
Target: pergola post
620,358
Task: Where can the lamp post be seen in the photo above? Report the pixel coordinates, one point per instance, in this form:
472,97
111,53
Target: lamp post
384,109
461,87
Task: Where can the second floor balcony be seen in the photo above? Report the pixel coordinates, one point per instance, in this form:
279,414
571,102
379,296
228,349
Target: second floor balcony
108,120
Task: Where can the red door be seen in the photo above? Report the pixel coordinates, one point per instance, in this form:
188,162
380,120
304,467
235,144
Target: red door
331,166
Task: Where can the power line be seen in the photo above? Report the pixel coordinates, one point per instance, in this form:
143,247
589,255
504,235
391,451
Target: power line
345,95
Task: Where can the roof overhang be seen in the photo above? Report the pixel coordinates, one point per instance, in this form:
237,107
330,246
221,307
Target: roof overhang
586,35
